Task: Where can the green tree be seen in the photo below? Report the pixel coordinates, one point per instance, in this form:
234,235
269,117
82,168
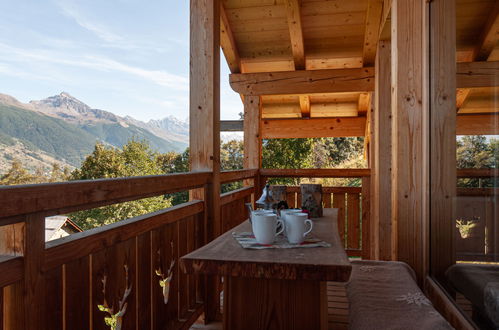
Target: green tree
474,151
136,158
17,174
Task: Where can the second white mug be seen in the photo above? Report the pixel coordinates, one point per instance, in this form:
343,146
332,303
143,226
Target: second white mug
295,227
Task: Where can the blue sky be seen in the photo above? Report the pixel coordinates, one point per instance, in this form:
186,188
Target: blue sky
129,57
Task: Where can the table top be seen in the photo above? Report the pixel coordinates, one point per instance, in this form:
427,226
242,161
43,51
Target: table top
224,256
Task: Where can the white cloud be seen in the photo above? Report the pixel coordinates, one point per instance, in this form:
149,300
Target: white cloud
159,77
70,10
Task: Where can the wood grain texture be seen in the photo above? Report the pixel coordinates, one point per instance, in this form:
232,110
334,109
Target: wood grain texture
442,149
353,216
315,173
305,106
408,158
235,195
273,304
339,203
237,175
225,257
228,43
382,220
59,198
313,127
12,270
295,32
77,288
483,124
477,74
34,257
371,35
476,173
82,244
54,292
304,82
368,232
252,132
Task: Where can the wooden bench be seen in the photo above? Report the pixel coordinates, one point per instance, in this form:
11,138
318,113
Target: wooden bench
384,295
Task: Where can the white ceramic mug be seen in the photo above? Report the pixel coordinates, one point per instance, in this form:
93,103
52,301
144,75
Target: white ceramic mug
265,227
295,227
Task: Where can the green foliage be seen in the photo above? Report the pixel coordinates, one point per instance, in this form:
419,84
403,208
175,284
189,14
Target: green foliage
17,175
313,153
54,136
136,158
476,152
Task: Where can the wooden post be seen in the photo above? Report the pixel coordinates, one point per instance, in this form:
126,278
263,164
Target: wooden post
252,136
408,132
381,176
12,243
34,286
204,114
442,134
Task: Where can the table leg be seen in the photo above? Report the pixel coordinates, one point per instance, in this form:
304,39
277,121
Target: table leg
251,303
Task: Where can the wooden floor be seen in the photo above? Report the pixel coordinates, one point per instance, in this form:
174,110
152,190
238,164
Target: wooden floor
337,310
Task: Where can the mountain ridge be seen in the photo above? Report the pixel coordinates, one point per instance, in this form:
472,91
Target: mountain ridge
66,129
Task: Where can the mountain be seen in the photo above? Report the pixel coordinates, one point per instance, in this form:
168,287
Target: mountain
64,129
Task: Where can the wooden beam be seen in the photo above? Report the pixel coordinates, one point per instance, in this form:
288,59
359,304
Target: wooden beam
313,127
408,156
252,137
295,32
477,124
442,129
231,126
483,49
204,114
477,74
305,106
364,102
228,43
334,109
488,38
381,179
371,36
461,96
387,7
304,82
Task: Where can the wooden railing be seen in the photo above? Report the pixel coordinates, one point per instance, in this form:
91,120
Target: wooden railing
127,266
353,203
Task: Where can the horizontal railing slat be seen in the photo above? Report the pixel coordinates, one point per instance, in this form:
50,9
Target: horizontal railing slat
78,245
237,175
234,195
327,190
316,173
63,197
477,172
12,270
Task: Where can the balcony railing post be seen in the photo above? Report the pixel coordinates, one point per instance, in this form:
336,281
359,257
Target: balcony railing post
34,286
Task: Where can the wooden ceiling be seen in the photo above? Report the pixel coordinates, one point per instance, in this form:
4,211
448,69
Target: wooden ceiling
288,35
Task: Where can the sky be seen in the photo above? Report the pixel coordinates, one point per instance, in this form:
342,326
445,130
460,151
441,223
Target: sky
130,57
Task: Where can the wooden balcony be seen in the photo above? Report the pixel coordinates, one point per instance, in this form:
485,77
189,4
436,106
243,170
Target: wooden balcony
91,268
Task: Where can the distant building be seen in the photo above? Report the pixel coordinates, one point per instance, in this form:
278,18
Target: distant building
59,226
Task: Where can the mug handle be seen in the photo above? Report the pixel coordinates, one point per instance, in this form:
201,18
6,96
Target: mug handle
282,226
311,226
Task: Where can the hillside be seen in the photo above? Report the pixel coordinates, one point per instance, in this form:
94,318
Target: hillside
63,129
63,141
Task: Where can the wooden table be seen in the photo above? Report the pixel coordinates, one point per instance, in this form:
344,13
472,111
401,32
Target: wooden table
274,288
